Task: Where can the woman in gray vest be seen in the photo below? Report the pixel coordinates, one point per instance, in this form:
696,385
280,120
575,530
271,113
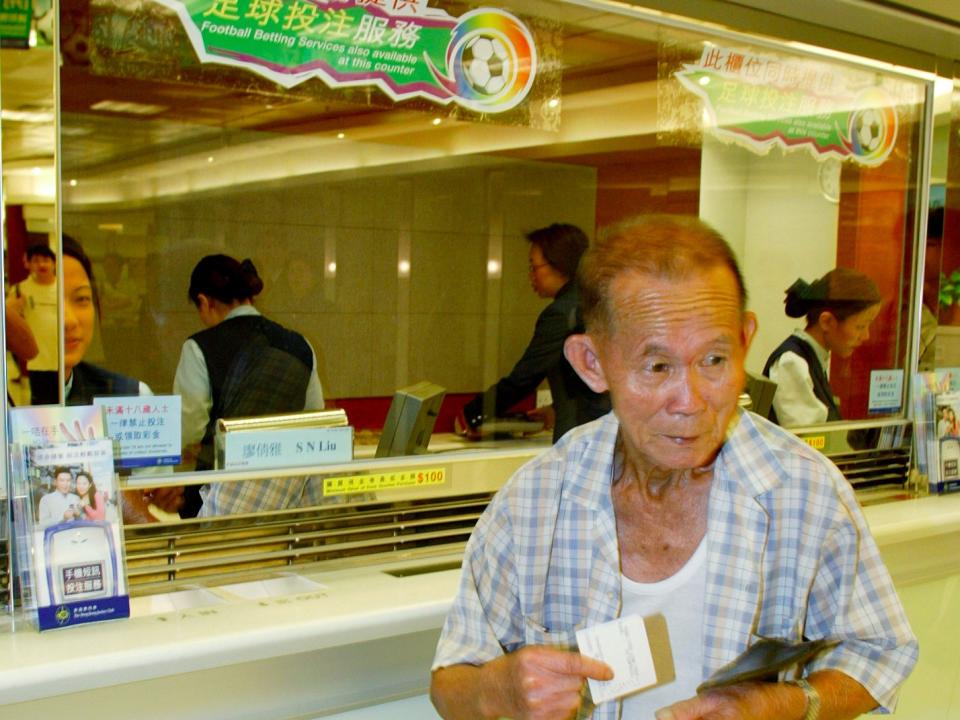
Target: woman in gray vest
241,365
838,308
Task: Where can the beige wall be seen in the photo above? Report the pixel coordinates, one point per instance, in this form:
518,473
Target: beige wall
449,320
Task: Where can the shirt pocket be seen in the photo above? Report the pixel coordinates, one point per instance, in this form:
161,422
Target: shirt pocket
536,634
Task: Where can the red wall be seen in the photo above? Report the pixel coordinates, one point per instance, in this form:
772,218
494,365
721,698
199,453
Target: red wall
872,237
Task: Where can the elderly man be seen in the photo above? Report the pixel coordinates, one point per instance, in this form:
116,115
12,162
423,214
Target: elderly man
676,503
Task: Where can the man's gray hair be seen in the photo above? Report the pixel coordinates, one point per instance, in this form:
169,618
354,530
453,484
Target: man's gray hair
671,247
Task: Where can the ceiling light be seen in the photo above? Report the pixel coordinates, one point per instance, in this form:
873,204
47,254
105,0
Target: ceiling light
553,102
26,116
73,182
436,121
128,108
210,159
341,136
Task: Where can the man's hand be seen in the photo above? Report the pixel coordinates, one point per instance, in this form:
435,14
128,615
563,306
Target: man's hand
841,697
744,701
168,499
462,427
533,683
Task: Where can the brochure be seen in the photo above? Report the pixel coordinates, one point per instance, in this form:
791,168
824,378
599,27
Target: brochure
946,424
930,419
70,549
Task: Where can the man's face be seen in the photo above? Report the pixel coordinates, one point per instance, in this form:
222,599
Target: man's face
42,269
674,364
63,482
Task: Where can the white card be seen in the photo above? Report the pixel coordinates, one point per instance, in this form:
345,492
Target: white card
623,645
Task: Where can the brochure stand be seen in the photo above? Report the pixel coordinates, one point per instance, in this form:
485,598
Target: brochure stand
936,414
6,557
70,561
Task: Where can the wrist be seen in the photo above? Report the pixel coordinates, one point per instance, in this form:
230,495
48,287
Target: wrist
811,699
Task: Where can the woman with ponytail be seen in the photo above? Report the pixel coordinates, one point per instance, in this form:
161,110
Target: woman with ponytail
242,365
838,308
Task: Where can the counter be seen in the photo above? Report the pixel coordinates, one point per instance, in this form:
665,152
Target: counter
364,638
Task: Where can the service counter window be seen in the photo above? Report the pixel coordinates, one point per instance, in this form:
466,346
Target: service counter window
381,164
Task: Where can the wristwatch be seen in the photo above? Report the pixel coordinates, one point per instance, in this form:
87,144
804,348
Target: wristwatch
812,696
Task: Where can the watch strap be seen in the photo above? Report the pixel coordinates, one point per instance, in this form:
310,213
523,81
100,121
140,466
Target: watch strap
812,696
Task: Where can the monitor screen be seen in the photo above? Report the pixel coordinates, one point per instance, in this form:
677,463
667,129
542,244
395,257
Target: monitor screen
410,420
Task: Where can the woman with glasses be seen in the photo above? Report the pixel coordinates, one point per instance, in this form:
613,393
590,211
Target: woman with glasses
555,253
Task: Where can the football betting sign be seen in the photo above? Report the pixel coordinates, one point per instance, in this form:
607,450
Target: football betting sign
484,60
760,101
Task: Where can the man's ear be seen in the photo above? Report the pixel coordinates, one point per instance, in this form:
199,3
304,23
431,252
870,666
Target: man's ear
749,329
581,353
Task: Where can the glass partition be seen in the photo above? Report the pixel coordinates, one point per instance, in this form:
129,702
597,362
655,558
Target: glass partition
388,220
940,330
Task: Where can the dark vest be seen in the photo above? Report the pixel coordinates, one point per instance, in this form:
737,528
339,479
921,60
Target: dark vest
256,367
821,384
90,381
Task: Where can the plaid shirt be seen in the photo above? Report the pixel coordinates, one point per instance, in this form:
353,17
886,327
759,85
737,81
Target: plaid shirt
788,555
249,496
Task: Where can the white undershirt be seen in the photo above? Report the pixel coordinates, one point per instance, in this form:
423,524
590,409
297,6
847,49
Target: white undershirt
679,598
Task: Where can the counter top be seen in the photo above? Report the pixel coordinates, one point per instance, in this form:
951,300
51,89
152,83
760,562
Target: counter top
347,607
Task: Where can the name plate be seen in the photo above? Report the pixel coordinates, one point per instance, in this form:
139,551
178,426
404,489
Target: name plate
287,447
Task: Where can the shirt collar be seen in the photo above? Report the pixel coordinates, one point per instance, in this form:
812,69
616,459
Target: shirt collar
242,310
747,458
823,355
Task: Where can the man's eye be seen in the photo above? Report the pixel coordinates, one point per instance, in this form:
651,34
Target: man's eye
714,360
658,367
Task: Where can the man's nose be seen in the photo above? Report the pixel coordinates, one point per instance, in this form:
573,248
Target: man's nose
688,394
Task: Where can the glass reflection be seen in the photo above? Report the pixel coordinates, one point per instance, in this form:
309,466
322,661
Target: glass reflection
396,247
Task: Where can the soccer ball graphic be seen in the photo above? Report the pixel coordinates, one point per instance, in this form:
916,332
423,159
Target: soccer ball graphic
868,125
486,64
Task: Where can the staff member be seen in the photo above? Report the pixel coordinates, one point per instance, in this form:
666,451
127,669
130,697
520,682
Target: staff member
555,252
839,308
85,381
243,364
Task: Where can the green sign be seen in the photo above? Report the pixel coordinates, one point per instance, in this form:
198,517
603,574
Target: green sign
485,60
762,101
15,17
